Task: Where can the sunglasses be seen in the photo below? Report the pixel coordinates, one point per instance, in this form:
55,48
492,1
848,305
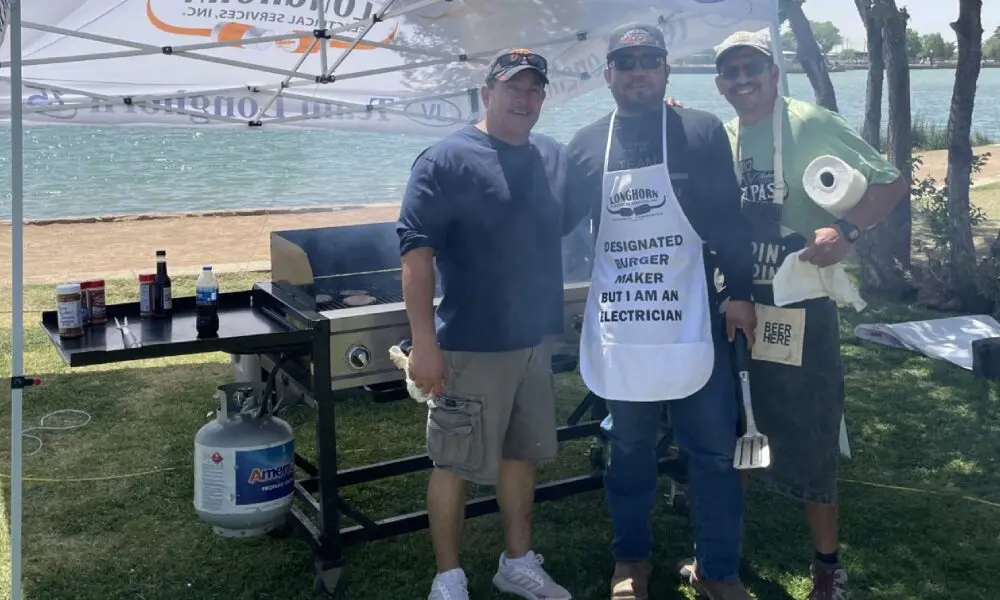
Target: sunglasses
516,58
752,69
629,62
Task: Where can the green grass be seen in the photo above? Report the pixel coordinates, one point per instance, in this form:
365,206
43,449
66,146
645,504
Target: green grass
987,198
932,135
915,423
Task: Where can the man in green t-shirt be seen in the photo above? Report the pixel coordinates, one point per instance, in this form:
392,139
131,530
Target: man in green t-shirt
796,374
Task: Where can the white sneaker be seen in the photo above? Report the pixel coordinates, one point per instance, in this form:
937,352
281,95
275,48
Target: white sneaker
526,578
451,585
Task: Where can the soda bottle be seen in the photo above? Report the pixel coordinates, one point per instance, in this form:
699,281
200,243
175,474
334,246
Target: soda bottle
206,302
162,298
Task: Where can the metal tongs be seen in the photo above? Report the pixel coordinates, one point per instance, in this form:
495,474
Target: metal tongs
128,338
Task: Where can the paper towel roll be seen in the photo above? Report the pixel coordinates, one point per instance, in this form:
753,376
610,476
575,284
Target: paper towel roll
834,185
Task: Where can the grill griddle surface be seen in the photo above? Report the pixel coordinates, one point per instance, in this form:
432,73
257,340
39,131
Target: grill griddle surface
386,287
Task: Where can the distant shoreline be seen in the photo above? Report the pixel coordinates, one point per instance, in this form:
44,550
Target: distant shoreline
236,212
709,69
935,163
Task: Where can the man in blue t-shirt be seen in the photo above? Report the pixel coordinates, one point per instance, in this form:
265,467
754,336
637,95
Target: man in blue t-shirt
484,204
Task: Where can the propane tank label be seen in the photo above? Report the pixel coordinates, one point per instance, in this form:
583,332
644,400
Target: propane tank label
264,474
211,479
248,479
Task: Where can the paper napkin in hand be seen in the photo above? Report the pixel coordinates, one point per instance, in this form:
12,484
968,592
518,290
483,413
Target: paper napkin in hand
402,362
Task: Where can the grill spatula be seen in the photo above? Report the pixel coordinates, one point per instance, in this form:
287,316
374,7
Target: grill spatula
752,450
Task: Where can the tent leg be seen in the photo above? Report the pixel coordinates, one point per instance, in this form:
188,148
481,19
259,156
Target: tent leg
779,58
17,279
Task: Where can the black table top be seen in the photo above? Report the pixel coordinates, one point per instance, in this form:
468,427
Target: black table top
242,329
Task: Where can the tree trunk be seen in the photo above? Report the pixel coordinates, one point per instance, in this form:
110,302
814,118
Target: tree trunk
809,55
900,138
872,131
969,30
885,250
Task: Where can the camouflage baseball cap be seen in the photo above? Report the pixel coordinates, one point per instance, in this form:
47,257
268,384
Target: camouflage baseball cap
756,40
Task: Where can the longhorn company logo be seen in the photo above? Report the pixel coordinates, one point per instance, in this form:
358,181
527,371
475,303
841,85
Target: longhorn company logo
636,202
232,26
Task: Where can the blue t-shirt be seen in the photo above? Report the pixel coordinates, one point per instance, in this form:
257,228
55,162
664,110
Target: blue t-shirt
493,215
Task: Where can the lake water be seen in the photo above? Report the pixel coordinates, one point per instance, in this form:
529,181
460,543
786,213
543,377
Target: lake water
84,171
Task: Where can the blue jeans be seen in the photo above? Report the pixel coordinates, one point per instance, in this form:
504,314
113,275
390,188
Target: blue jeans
705,429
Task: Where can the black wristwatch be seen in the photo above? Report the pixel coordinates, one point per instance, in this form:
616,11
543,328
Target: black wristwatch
847,229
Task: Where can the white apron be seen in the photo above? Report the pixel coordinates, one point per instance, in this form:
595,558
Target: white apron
647,331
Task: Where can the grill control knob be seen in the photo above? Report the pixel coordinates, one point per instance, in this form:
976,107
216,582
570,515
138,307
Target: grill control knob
405,345
358,357
578,323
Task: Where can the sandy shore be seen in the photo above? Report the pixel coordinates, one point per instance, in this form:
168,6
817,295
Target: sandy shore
112,247
122,247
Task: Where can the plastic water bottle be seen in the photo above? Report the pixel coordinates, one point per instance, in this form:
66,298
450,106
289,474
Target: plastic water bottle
206,293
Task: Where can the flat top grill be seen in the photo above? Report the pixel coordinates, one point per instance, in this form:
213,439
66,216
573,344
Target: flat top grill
337,292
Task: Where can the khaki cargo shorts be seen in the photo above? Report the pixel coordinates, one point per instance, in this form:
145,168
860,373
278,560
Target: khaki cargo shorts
496,406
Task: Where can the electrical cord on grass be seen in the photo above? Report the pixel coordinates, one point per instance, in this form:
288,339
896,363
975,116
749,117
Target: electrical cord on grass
43,427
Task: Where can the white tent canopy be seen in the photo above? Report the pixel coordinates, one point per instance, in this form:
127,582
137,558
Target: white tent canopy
390,66
393,66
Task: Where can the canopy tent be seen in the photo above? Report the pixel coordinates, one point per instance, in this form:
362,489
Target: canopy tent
380,66
410,66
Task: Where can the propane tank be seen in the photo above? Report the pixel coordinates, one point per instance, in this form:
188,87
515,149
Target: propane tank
244,469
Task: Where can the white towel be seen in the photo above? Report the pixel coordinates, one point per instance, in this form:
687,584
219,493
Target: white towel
402,362
798,280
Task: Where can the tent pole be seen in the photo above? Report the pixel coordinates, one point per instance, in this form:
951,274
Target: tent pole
779,56
17,279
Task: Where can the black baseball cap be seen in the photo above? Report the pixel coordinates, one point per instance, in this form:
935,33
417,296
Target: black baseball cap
636,35
511,62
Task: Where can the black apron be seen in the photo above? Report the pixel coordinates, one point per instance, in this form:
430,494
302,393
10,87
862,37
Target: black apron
796,371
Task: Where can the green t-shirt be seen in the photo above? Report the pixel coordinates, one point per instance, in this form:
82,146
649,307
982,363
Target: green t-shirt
809,131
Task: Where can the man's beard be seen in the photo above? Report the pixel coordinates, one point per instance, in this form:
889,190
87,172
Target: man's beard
647,103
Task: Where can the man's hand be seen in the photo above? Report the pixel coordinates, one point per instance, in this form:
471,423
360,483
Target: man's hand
426,368
674,103
826,248
740,314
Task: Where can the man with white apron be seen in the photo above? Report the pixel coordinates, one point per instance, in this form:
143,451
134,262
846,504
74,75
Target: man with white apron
658,185
796,369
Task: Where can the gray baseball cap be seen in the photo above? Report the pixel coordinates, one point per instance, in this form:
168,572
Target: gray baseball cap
759,41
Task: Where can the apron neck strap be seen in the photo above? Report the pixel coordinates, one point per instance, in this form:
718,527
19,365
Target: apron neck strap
777,128
611,132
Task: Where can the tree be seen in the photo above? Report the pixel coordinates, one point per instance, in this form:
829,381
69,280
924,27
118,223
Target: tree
935,48
808,54
827,35
914,45
969,29
788,41
884,253
899,143
991,47
872,131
